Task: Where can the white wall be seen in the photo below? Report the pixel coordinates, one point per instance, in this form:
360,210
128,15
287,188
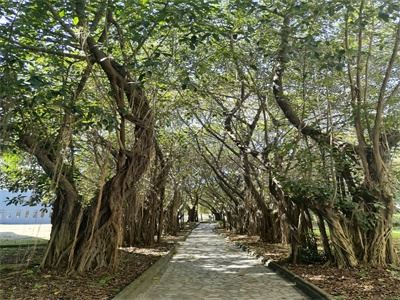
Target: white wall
18,214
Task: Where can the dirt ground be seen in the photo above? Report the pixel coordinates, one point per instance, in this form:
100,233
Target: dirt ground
364,283
21,278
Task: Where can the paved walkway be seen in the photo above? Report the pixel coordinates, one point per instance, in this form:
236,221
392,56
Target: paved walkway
206,267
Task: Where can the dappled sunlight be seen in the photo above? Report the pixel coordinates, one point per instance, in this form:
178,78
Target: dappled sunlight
145,251
210,253
317,277
205,262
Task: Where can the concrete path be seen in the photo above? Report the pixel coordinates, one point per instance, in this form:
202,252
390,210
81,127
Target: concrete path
206,267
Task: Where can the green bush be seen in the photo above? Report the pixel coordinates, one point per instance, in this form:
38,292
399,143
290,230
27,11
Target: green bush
311,256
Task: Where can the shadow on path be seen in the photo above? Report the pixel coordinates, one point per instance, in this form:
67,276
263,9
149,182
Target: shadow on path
206,267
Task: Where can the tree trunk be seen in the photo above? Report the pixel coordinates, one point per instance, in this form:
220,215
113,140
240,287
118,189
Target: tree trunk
192,214
65,219
324,237
343,248
84,239
378,245
217,216
130,215
172,216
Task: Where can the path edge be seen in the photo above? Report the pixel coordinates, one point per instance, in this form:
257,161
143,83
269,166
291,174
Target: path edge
308,288
141,283
305,286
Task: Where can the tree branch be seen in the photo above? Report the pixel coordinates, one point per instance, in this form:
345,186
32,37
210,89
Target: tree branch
43,50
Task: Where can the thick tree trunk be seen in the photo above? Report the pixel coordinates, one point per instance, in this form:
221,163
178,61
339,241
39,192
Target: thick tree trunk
343,247
377,245
283,224
172,214
239,220
324,238
267,224
192,214
148,222
97,244
160,223
84,239
229,220
66,219
129,219
218,216
303,241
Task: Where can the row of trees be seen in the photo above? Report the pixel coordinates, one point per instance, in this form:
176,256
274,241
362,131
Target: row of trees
76,109
332,73
270,114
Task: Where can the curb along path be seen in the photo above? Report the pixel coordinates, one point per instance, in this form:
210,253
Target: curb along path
206,267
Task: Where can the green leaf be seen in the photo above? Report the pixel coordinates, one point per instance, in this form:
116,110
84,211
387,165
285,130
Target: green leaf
61,13
383,16
75,21
36,81
142,77
254,67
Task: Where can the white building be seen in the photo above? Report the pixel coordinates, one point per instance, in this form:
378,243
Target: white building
19,214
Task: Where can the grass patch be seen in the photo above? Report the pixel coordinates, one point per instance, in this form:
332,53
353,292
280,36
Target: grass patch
396,233
395,236
22,242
